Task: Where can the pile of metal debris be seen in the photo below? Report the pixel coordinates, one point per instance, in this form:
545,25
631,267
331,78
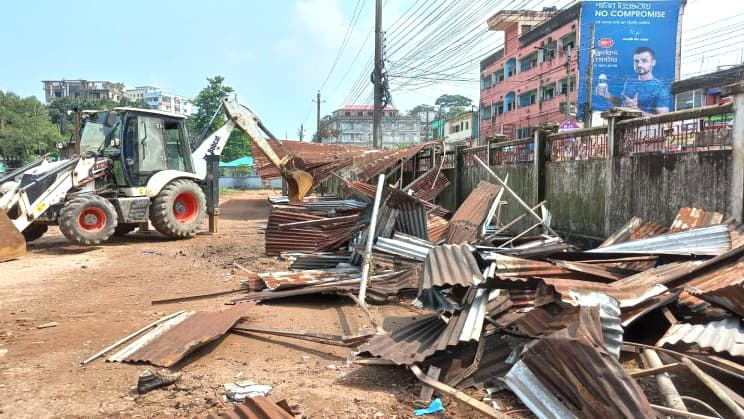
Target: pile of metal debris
569,332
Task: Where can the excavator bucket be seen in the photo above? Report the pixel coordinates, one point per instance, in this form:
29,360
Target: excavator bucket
12,243
299,184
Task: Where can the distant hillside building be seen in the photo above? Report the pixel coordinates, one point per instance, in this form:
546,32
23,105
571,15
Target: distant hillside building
352,125
156,98
84,89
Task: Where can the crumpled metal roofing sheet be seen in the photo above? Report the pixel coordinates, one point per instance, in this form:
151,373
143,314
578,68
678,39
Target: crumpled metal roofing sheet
688,218
430,185
710,241
570,374
721,336
411,217
294,279
634,229
422,338
171,341
721,285
259,407
466,223
451,264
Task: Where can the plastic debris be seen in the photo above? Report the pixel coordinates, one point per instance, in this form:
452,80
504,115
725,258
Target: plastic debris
434,407
239,391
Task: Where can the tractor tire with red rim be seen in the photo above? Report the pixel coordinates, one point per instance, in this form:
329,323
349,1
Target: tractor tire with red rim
179,209
87,219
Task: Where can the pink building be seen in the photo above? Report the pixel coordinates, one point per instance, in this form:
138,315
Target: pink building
532,79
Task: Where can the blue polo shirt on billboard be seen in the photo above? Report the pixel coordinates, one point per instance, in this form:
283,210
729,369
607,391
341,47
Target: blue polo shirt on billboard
652,94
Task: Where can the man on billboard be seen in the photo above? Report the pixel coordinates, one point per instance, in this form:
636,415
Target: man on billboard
646,93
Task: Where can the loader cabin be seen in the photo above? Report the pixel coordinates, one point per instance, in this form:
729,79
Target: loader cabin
141,142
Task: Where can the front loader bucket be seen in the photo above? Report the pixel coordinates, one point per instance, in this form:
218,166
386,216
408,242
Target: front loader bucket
299,184
12,243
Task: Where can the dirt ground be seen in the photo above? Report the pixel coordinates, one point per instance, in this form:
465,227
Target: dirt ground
97,295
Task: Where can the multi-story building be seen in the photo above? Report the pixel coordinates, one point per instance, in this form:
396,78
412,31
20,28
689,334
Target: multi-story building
570,65
533,77
706,89
156,98
138,93
84,89
352,125
459,128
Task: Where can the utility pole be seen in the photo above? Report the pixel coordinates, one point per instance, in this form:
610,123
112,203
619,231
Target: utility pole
377,79
317,118
589,75
301,132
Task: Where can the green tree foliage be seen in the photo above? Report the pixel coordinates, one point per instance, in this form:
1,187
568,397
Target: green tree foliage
26,131
207,102
453,105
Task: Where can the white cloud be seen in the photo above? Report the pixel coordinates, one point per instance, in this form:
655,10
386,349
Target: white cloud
286,47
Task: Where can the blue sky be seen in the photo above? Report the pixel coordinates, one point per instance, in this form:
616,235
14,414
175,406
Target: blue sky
275,54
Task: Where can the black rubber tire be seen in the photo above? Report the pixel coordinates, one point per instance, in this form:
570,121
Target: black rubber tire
72,220
34,231
123,229
171,216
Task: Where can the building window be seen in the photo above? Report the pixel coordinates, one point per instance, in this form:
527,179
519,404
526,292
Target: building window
568,43
498,108
527,99
548,91
370,113
485,111
528,62
347,113
360,113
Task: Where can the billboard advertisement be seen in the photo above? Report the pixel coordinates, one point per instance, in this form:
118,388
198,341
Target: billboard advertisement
633,54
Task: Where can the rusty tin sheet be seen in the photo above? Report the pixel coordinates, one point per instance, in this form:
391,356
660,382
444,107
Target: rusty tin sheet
569,373
171,341
259,407
688,218
451,264
465,225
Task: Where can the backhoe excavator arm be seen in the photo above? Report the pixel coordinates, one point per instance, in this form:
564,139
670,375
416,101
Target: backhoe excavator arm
299,182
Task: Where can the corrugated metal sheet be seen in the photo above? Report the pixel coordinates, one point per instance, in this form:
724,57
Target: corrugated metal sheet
494,363
688,218
402,248
315,260
550,318
322,233
662,275
509,266
466,223
411,217
437,228
422,338
722,285
569,373
431,185
634,229
571,291
294,279
710,241
171,341
720,336
451,264
258,407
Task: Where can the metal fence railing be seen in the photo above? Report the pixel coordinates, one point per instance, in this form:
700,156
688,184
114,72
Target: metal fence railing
469,153
580,144
513,152
701,129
